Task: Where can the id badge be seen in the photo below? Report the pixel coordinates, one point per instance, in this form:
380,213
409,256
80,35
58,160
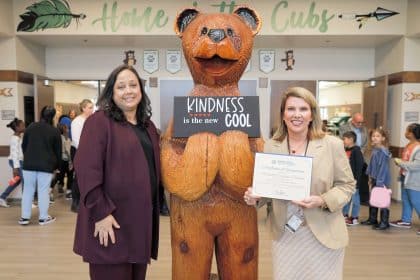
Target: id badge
293,223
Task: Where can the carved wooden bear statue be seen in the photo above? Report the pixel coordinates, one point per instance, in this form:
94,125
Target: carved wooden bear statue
207,174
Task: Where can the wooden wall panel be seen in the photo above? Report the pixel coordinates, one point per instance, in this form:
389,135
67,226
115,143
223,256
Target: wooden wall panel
16,76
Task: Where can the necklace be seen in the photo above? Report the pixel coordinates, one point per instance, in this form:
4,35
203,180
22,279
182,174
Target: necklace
293,151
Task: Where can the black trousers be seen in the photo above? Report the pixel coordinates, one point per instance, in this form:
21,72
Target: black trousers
125,271
75,193
65,171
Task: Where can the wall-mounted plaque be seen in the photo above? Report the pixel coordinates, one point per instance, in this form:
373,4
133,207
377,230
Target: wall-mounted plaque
150,61
267,58
173,61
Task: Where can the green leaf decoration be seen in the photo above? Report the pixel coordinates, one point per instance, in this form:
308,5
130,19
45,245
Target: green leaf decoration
47,14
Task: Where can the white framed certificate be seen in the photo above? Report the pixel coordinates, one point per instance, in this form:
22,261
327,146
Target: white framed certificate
282,176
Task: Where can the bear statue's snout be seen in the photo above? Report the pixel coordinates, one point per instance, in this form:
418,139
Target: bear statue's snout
216,35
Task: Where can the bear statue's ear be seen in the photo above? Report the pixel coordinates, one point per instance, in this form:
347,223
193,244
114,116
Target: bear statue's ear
250,17
183,19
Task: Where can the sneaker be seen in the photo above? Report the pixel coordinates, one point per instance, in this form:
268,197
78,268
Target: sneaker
352,221
3,203
23,221
418,231
68,195
47,221
400,224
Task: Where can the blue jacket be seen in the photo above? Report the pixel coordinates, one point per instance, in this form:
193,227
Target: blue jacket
378,167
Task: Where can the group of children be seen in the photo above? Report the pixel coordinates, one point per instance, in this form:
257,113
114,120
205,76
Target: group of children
378,170
16,161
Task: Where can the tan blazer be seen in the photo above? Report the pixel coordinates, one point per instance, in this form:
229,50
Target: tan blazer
332,179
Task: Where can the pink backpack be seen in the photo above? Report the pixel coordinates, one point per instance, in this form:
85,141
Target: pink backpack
380,197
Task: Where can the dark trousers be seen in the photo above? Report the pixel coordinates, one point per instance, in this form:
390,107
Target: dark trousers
65,171
364,186
126,271
75,193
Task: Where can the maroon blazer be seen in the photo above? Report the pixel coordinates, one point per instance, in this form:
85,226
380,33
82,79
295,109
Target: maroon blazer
113,177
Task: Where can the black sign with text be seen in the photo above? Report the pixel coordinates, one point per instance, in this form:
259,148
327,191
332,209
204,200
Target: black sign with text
193,114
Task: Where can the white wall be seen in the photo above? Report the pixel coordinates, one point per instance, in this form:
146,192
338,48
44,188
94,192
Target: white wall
413,17
412,54
70,93
8,53
6,17
389,58
311,64
30,57
341,95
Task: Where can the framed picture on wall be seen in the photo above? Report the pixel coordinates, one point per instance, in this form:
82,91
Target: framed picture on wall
173,61
267,58
150,61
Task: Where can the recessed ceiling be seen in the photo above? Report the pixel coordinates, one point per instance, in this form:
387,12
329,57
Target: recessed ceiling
165,41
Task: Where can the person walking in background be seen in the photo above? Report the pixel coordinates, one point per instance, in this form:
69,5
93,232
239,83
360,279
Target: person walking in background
410,176
379,176
41,146
118,166
15,159
315,248
66,166
355,156
86,107
356,124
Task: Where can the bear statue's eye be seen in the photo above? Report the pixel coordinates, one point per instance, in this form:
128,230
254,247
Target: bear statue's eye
204,31
229,32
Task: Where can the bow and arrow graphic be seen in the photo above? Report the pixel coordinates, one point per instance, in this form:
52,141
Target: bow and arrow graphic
47,14
379,14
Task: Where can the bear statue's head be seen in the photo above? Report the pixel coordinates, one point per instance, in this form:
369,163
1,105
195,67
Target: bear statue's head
217,47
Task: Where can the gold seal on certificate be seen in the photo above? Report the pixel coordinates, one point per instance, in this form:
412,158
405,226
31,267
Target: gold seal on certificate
282,176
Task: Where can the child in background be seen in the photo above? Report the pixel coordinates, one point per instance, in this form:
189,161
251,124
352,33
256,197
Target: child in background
407,208
355,157
66,167
379,175
411,169
15,159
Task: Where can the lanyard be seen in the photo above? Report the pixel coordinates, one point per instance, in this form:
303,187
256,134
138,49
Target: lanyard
288,146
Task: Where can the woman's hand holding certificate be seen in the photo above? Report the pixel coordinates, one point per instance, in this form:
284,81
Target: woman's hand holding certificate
282,176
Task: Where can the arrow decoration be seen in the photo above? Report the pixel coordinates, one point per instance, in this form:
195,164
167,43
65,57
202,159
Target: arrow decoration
411,96
7,92
379,14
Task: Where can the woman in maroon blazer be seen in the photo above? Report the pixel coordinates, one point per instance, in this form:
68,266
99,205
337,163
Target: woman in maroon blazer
118,166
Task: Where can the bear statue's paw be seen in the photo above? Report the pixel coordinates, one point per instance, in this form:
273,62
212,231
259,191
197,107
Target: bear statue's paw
236,161
190,174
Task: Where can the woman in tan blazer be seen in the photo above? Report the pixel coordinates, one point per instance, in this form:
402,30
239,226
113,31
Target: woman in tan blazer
315,249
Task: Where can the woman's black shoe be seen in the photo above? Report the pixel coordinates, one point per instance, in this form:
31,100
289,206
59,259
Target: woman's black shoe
369,223
381,226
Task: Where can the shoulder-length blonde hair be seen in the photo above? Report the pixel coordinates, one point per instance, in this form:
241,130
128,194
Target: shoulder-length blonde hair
315,126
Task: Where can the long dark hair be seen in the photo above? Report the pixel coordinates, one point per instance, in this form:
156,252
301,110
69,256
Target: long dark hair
48,114
106,103
14,124
415,130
